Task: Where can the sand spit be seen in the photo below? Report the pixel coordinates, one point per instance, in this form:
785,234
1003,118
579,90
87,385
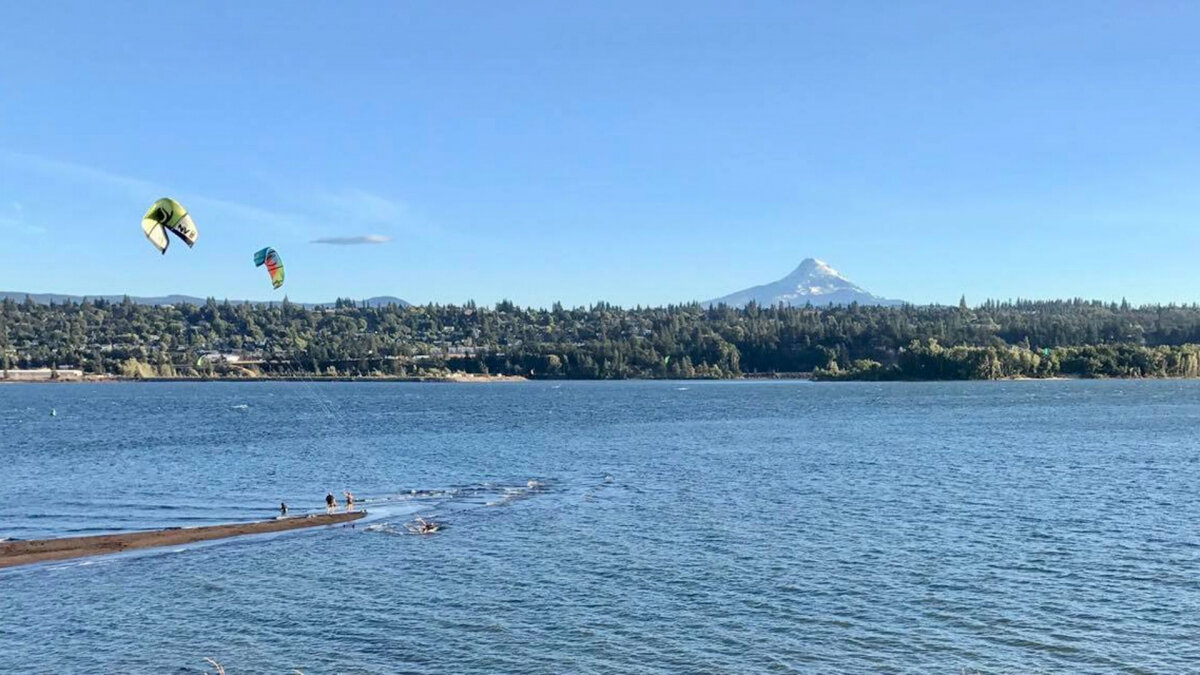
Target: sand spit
24,552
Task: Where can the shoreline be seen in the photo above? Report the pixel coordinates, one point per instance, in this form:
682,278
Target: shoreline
29,551
103,379
468,378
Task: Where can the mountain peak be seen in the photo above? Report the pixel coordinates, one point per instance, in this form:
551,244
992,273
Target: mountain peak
814,266
813,281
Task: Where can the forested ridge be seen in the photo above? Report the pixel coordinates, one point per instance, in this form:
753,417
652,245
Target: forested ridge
994,340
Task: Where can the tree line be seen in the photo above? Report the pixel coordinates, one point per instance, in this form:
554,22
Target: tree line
602,341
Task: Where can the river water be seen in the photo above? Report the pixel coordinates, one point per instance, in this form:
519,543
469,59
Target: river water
631,527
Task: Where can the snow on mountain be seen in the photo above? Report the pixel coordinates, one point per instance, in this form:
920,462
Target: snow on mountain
813,282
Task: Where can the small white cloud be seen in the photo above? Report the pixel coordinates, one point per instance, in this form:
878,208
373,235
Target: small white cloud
351,241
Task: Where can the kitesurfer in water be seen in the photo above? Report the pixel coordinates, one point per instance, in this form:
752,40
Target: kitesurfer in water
422,526
283,508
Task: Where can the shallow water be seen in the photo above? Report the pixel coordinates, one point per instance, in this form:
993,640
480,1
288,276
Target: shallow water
675,527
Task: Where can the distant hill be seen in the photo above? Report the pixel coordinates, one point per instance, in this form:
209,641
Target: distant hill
813,282
384,301
59,298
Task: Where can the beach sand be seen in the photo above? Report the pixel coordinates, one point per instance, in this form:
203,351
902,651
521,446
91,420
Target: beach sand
14,553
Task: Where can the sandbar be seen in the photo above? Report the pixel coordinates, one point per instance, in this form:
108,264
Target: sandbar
24,552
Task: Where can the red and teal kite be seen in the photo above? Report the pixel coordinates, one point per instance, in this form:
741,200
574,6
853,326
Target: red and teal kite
270,258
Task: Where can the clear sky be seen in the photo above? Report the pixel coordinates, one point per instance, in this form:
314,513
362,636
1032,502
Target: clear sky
635,152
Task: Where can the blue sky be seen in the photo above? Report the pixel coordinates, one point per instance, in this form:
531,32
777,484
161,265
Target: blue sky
640,153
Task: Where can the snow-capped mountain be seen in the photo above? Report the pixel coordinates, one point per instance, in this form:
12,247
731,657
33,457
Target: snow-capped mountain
813,282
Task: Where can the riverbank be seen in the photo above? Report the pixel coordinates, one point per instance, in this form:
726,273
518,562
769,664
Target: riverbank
13,553
466,378
43,377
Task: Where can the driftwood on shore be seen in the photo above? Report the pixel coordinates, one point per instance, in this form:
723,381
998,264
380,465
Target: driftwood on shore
24,552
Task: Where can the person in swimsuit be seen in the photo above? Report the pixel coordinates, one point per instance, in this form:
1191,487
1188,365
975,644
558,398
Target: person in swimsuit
330,502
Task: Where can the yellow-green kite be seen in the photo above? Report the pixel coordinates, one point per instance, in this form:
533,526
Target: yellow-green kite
168,214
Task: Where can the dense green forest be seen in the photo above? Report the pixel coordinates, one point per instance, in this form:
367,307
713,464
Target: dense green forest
995,340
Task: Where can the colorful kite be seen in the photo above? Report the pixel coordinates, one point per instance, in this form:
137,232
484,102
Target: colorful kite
168,214
270,258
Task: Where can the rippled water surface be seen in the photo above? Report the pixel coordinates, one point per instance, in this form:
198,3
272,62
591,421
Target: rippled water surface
671,527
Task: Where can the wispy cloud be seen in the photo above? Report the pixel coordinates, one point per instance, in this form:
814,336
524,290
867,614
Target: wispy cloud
14,220
80,172
146,191
362,205
280,220
352,241
362,210
18,225
301,211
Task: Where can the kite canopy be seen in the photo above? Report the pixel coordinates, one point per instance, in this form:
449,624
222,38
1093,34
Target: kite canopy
168,214
270,258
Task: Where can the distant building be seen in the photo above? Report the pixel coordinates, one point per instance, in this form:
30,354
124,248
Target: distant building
37,374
